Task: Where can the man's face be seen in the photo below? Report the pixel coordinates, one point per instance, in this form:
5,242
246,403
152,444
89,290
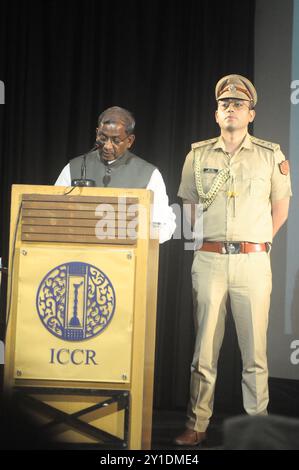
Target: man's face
233,114
113,140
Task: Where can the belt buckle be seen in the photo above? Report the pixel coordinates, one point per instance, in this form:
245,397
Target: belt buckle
231,248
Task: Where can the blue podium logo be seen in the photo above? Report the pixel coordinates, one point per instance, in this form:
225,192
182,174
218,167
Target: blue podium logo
75,301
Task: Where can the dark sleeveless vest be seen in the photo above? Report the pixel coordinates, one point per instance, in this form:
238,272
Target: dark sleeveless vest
128,171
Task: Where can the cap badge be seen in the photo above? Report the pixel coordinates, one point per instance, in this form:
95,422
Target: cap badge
232,88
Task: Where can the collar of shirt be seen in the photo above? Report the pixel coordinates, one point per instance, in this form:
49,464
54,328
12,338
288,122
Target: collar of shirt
247,144
115,163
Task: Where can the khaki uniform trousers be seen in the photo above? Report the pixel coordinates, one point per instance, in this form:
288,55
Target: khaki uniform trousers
247,279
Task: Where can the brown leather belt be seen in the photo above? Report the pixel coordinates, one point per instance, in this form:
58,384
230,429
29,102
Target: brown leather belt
234,247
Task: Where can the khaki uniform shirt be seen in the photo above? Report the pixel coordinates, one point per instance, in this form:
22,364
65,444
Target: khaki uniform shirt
241,210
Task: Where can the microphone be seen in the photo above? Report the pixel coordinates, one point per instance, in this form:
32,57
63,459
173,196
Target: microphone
83,181
107,177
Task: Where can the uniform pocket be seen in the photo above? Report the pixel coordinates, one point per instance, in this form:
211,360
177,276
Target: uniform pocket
259,187
207,181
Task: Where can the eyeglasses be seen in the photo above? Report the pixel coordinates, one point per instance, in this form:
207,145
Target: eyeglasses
237,105
116,141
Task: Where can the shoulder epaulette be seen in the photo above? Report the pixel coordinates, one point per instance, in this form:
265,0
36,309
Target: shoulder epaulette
202,143
265,143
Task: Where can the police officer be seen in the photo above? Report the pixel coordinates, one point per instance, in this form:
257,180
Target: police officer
243,184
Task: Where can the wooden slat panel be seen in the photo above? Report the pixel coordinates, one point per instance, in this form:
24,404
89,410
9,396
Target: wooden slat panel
74,230
73,219
76,206
69,222
80,199
60,214
40,237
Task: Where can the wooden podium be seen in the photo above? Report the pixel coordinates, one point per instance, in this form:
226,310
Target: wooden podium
81,313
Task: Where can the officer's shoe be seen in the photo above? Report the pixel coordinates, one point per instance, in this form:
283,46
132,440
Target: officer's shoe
190,438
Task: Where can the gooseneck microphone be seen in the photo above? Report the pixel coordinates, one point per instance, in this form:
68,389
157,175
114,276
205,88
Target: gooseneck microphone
83,181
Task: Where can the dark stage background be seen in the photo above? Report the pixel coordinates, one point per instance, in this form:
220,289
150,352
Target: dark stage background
64,62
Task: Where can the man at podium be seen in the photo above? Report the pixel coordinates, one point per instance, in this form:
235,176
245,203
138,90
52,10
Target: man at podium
111,164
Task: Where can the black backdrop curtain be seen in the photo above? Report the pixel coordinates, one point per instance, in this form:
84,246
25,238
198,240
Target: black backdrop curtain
64,62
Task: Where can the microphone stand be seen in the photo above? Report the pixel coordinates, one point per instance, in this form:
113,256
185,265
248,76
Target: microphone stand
83,181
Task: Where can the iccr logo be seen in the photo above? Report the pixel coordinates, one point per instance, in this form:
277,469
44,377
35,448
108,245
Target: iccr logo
75,301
